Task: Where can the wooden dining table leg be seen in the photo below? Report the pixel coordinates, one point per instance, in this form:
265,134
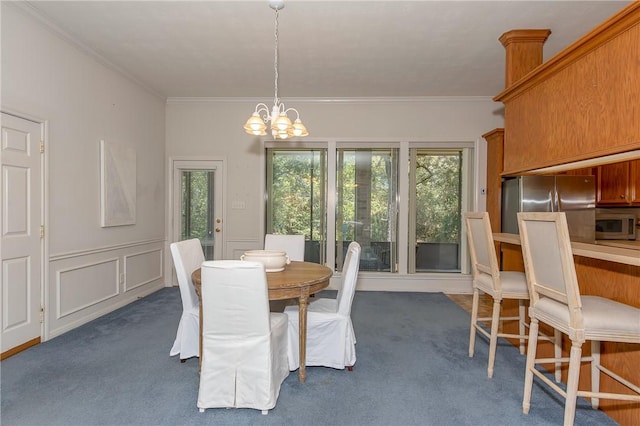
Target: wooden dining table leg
302,333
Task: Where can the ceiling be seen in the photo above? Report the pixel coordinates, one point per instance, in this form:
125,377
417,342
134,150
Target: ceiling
328,49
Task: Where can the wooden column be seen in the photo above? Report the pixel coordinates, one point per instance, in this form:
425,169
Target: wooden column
524,52
495,156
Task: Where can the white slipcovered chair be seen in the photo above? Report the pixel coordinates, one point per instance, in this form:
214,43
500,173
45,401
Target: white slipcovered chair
293,245
187,256
499,285
330,337
556,301
244,346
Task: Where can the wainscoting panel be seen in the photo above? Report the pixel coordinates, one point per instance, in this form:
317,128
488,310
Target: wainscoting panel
85,285
142,268
82,286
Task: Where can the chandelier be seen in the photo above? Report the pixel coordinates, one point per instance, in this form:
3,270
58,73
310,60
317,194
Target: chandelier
281,125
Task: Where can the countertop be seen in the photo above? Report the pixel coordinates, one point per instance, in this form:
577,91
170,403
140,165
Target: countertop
627,252
633,244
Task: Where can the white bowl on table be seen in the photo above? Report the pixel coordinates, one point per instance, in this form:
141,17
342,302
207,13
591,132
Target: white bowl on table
273,260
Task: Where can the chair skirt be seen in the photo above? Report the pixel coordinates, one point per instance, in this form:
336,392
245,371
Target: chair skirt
244,373
187,340
330,337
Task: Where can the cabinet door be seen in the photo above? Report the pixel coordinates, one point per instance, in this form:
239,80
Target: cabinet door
634,182
613,183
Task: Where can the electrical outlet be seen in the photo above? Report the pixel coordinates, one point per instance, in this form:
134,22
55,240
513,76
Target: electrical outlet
121,278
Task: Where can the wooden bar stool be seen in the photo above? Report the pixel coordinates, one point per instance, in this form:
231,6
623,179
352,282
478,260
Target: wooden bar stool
500,285
556,301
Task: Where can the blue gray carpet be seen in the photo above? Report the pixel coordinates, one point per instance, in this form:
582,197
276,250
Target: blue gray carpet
412,369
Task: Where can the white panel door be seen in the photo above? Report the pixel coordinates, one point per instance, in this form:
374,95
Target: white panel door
21,251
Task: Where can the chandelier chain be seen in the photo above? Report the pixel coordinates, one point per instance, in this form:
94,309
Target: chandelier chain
276,100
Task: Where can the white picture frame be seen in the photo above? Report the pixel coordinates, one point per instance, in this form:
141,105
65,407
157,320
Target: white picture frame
117,185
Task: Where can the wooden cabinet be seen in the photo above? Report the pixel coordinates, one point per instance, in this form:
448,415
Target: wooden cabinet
634,182
618,184
578,105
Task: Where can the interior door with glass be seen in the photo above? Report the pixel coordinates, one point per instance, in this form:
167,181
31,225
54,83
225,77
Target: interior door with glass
197,206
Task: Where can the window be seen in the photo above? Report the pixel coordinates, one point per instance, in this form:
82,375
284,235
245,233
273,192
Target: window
366,206
296,197
435,185
336,192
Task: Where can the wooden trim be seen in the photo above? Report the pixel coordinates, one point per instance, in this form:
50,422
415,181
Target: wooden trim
497,132
535,36
606,31
595,155
19,348
523,52
589,163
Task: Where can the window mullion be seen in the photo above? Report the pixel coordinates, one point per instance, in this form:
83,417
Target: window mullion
331,204
407,216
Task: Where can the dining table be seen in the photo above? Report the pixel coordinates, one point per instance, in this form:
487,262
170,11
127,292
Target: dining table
298,280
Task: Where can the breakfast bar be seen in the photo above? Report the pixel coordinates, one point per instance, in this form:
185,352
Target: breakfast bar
625,252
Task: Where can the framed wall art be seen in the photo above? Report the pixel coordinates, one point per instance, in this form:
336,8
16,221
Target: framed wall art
117,184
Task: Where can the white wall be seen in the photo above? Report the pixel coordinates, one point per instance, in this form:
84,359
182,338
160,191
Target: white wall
90,270
213,128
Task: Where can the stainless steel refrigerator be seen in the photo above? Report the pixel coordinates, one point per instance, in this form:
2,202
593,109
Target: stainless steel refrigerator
574,195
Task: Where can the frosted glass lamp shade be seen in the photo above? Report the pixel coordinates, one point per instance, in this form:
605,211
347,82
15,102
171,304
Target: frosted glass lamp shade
255,125
281,123
299,129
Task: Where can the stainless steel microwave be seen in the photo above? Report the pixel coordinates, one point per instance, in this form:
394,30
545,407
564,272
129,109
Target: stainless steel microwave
615,226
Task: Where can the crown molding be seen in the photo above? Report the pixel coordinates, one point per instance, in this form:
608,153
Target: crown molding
356,100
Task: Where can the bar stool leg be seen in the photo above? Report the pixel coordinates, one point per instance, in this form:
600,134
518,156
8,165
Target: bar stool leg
595,372
474,321
572,383
493,342
530,365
